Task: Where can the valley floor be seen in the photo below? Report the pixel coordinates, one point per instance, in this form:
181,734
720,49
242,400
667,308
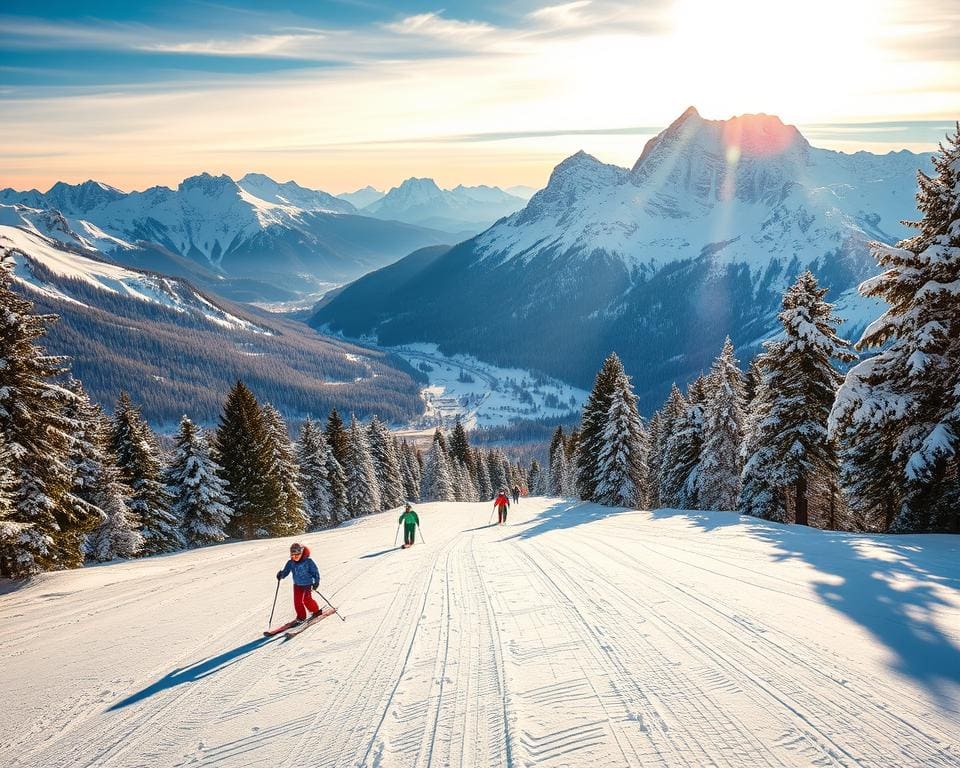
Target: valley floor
574,636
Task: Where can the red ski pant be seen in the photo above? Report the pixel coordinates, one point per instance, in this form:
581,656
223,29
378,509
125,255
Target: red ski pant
303,601
502,514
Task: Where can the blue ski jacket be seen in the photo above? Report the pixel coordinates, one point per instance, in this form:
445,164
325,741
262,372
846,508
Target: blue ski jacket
305,572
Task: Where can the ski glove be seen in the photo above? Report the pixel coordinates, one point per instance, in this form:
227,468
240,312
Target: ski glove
279,575
316,585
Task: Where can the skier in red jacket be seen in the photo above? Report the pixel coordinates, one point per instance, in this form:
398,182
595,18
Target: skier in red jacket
501,503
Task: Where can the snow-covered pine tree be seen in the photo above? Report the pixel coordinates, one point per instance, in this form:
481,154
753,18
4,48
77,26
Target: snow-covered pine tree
483,476
193,482
459,447
462,485
561,481
437,484
10,530
410,471
593,424
621,469
498,479
897,414
788,449
536,481
138,458
386,465
43,531
751,382
314,479
242,451
670,415
654,447
337,437
557,443
118,536
678,484
290,518
363,490
718,473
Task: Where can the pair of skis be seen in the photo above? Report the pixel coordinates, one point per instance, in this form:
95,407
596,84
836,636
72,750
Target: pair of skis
294,628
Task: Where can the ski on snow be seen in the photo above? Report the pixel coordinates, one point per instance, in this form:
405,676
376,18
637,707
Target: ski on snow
281,628
309,622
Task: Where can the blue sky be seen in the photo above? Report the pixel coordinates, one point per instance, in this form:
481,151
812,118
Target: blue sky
343,93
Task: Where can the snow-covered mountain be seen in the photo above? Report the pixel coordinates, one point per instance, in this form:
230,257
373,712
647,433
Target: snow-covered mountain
659,261
362,197
279,233
170,344
458,210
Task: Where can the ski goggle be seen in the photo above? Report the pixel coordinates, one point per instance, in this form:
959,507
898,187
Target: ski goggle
296,555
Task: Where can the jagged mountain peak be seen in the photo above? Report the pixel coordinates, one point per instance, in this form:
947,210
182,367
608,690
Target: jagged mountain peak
81,198
209,185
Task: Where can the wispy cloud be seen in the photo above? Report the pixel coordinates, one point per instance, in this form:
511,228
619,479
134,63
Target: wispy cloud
434,25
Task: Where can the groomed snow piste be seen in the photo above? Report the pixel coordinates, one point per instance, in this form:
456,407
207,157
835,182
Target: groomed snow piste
574,636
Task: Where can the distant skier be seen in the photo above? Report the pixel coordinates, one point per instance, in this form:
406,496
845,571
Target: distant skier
410,522
501,504
306,577
516,493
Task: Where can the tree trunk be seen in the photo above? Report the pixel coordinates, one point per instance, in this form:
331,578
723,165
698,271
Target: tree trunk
801,511
833,508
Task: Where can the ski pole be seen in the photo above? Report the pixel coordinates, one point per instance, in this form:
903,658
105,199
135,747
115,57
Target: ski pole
396,535
329,603
275,595
490,519
421,534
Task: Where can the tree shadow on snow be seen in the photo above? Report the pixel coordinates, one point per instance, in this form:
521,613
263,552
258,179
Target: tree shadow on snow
890,585
192,673
566,513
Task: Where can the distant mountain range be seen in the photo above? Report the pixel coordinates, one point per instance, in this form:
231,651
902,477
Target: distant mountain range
177,349
658,262
253,239
461,211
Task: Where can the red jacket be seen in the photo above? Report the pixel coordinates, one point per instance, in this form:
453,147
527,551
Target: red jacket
501,501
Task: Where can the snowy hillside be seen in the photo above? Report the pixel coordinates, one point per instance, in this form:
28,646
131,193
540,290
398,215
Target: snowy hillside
175,348
461,210
44,267
575,636
659,262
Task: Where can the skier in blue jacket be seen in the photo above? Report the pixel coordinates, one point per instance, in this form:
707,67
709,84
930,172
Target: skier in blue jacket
306,577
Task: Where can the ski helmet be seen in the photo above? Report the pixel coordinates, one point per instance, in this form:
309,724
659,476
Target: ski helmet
295,547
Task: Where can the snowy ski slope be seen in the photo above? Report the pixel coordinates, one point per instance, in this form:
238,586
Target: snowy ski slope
575,636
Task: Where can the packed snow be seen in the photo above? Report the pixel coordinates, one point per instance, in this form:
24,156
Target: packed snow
576,635
481,394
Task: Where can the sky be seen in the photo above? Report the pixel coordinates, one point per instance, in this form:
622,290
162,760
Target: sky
340,94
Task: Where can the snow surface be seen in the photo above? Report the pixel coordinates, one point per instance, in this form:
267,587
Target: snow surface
493,398
577,635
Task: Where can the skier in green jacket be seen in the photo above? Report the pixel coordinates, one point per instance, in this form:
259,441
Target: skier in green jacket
410,522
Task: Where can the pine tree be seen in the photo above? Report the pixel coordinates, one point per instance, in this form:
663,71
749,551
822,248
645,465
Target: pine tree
290,518
437,484
386,464
484,485
10,530
43,531
459,447
193,482
681,458
788,448
593,424
314,479
118,536
410,471
718,473
337,437
670,415
654,448
363,491
898,413
561,482
621,467
245,459
536,481
138,458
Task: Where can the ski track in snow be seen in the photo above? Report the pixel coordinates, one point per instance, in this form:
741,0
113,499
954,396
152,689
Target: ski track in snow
574,636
